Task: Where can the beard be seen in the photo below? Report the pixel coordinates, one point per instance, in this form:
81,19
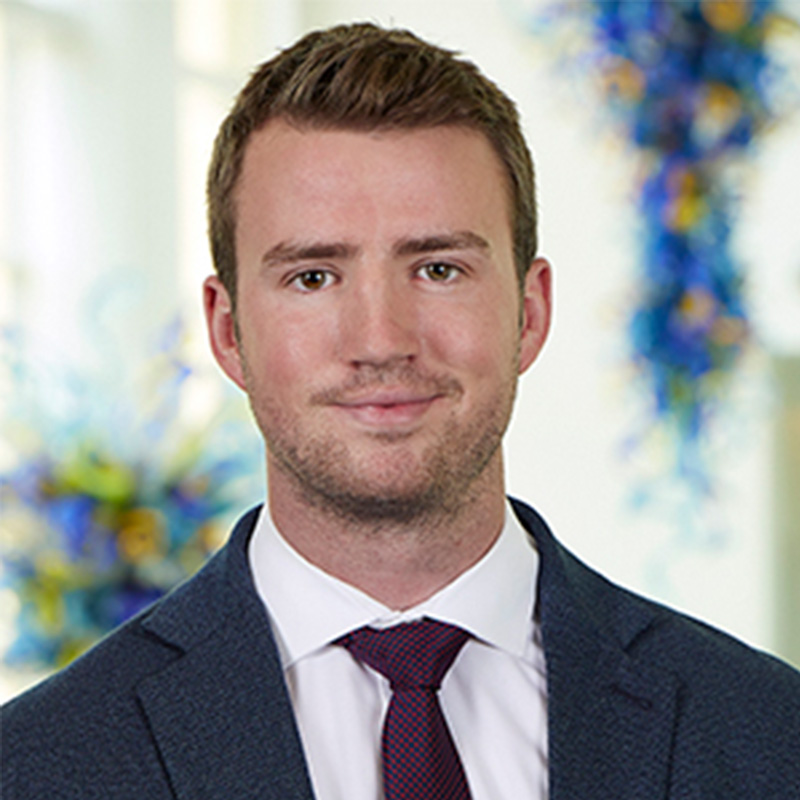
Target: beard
395,484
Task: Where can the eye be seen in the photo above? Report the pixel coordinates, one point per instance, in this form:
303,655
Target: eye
311,280
438,272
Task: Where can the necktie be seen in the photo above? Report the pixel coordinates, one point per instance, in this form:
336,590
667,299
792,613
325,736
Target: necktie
419,757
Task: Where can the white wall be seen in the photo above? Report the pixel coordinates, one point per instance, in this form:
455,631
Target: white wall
89,153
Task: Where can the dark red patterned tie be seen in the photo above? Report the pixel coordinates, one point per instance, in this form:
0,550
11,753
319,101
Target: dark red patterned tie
420,761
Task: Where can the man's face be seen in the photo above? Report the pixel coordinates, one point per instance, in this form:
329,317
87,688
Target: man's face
378,315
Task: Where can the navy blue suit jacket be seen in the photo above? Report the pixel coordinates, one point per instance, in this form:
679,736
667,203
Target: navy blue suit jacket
188,701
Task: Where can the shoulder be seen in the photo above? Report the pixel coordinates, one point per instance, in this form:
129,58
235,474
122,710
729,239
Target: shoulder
71,731
730,713
87,720
737,708
718,674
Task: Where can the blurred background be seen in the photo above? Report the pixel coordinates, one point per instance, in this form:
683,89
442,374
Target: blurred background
124,455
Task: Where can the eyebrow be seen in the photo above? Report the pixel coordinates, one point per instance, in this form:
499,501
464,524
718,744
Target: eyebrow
289,253
458,240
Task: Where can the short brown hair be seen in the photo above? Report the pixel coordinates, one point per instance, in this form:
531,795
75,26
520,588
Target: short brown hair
362,77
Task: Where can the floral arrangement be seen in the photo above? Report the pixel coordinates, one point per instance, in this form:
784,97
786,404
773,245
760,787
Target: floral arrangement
107,507
691,85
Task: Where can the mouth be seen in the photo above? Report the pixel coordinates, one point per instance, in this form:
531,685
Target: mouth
388,408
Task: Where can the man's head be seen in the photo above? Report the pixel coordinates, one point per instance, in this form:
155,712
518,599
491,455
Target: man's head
375,298
364,78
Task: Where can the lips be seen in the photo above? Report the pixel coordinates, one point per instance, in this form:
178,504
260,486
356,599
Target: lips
388,408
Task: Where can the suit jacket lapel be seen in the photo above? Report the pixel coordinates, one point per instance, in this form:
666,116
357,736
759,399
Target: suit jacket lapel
610,717
220,713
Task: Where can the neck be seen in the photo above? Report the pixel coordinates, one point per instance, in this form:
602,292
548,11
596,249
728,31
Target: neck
400,564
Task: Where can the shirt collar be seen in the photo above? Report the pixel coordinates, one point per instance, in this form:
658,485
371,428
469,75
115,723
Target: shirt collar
493,600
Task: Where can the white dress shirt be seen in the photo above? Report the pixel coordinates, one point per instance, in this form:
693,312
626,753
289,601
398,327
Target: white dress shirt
493,697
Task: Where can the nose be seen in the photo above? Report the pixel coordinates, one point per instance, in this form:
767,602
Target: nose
380,325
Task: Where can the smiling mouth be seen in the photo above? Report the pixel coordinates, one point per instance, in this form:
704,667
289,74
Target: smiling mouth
392,401
388,410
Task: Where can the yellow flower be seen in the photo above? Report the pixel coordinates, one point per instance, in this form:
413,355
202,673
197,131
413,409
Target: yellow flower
92,474
726,15
697,307
624,79
140,535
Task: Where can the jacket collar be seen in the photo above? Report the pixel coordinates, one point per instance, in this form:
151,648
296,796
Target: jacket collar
610,716
220,713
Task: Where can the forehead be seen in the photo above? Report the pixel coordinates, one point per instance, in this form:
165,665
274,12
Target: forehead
293,176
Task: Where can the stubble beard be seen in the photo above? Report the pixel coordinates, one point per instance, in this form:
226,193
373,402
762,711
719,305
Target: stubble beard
401,490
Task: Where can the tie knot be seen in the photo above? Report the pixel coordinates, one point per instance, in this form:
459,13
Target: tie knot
412,655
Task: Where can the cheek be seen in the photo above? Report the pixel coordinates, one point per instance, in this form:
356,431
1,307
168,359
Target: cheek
283,350
479,341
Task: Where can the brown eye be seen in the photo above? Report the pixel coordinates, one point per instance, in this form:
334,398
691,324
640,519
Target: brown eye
311,280
439,272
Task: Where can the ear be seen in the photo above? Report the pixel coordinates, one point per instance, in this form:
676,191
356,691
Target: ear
222,330
536,312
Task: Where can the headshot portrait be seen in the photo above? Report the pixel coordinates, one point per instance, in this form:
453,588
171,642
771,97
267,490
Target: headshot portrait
397,614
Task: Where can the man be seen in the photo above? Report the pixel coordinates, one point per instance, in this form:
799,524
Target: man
377,293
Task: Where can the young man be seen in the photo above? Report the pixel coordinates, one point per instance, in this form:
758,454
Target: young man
377,294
